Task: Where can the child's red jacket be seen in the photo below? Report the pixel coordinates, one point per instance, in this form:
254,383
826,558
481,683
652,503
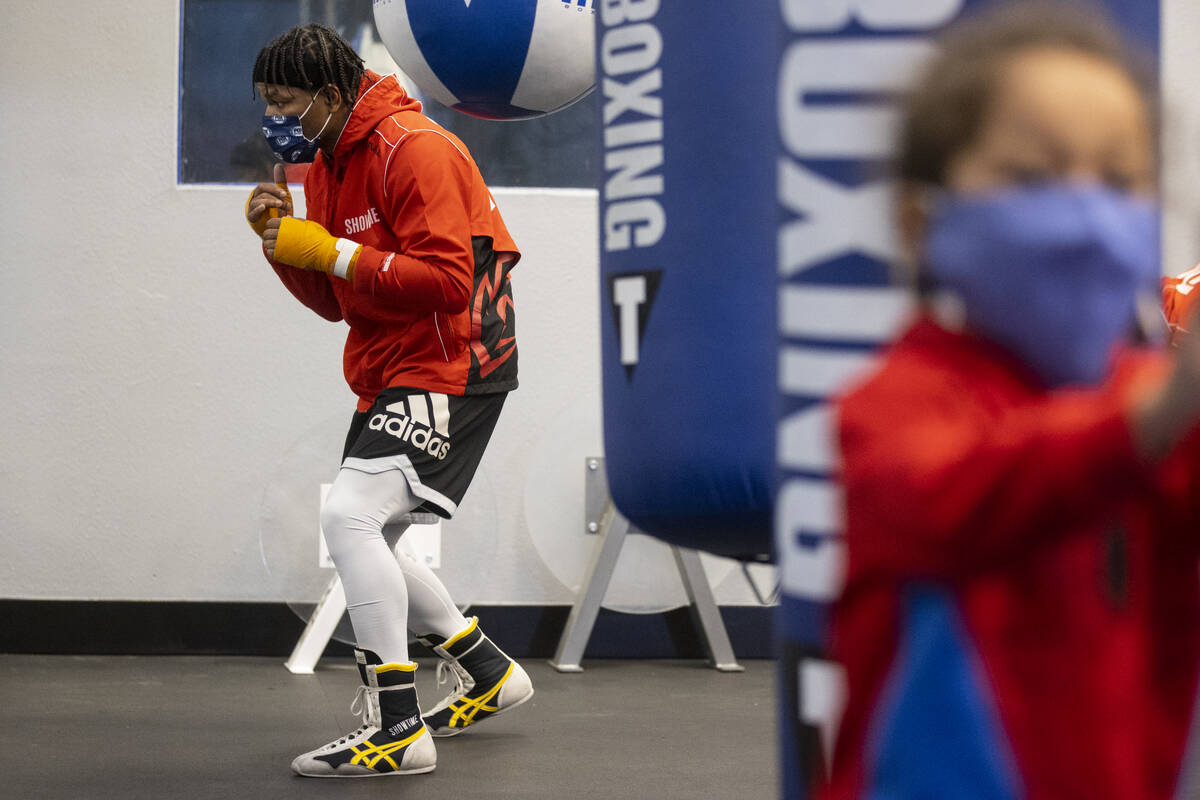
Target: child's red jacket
1020,616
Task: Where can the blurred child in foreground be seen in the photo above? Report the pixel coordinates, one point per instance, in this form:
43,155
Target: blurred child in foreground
1021,474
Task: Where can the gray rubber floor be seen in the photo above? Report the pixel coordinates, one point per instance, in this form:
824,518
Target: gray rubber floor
228,727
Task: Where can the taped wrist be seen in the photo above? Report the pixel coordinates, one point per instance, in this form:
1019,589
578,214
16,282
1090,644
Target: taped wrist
347,259
305,244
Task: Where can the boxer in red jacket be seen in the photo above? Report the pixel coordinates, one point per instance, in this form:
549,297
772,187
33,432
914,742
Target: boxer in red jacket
404,243
1021,613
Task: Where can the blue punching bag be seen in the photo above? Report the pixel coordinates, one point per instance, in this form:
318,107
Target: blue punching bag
687,268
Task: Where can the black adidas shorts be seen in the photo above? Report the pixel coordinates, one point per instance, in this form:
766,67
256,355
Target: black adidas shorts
436,440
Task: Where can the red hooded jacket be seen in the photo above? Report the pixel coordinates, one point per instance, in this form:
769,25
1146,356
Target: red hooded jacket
1179,296
1021,614
430,305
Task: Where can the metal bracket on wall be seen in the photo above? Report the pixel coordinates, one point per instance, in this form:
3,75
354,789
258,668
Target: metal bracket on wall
603,519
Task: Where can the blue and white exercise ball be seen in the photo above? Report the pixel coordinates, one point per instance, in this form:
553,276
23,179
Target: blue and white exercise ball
495,59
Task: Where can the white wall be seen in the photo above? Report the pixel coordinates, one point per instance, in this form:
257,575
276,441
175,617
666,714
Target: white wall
1181,133
169,410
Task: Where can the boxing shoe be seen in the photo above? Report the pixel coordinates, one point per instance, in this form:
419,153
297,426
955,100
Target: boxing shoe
487,681
392,740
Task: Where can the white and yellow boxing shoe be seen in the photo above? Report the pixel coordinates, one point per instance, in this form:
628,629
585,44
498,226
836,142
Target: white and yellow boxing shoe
392,740
487,681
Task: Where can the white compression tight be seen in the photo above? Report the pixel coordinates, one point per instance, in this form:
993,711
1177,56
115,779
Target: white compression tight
386,595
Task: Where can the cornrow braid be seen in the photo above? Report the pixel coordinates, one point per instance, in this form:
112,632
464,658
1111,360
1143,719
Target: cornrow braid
310,57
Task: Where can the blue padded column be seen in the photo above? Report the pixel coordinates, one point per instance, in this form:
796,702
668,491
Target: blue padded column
687,261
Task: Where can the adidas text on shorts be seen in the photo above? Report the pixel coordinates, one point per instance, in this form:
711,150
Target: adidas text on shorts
436,440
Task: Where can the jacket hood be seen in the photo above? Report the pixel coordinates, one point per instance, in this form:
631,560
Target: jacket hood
379,96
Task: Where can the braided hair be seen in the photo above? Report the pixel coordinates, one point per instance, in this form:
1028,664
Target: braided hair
310,57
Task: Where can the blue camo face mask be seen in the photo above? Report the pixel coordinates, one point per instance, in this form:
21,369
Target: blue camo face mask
1051,273
286,136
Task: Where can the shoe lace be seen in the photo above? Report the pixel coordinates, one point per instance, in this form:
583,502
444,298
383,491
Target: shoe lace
361,705
445,672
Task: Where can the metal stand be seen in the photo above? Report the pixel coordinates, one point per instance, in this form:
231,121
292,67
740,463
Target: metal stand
328,613
319,630
612,528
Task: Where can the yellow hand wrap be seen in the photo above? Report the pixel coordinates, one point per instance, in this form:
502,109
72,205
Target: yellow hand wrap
261,226
305,244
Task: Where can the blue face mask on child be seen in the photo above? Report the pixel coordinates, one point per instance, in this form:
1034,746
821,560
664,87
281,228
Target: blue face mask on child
286,136
1051,273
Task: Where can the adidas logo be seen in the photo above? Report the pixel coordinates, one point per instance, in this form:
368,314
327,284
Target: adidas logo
410,421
